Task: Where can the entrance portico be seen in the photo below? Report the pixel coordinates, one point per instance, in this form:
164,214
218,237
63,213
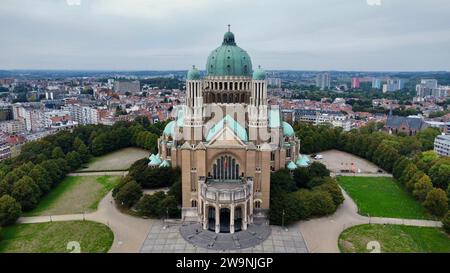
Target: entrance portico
226,207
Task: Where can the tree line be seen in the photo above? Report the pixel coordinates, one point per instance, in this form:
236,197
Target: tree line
44,163
421,171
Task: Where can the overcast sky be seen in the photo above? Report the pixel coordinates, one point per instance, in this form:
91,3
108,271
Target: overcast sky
370,35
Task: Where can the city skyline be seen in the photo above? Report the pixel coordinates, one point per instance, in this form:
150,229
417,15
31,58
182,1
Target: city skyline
147,35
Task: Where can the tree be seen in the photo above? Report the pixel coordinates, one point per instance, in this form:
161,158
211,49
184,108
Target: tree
57,153
10,210
171,207
408,173
301,177
422,188
446,222
42,178
440,174
74,160
175,191
129,194
399,167
317,169
282,180
82,149
26,192
7,183
436,202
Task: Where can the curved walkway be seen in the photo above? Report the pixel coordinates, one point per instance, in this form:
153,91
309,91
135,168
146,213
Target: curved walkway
322,234
129,232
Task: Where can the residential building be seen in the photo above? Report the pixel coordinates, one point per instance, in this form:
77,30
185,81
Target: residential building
323,81
356,83
442,145
376,83
123,87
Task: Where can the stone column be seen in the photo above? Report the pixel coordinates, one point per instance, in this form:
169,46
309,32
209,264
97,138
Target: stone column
244,217
217,219
232,218
205,217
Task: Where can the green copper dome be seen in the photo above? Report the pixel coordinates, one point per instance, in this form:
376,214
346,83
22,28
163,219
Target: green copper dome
229,59
193,74
169,129
259,74
288,130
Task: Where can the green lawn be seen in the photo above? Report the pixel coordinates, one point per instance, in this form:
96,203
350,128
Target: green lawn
120,160
395,239
382,197
76,194
54,237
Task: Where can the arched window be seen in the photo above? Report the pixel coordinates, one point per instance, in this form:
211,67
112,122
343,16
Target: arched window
257,204
194,203
225,168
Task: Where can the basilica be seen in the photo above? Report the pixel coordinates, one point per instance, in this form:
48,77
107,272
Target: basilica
227,139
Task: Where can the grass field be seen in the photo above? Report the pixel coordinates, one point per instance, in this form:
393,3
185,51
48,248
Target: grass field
382,197
116,161
76,194
54,237
395,239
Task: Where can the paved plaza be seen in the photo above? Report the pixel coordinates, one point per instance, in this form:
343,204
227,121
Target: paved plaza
167,238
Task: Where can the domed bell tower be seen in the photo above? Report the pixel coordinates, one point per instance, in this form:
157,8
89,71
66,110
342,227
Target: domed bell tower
193,121
258,109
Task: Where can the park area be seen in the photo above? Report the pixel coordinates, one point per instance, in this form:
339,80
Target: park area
382,197
76,194
116,161
394,239
54,237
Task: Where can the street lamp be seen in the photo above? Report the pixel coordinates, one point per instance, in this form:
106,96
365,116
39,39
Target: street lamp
282,219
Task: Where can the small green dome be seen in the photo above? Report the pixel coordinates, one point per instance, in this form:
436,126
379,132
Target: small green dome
229,59
259,74
164,164
303,161
288,130
155,161
169,129
193,74
291,166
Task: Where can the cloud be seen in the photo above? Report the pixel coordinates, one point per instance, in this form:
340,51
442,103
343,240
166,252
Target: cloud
73,2
374,2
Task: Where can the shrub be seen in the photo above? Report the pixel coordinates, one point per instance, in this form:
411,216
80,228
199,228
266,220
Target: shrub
151,205
175,191
158,205
446,222
436,202
422,188
128,194
10,210
313,203
322,203
331,186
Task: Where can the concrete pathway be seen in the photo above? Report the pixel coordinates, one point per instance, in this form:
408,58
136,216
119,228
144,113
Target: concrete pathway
322,234
111,173
129,232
